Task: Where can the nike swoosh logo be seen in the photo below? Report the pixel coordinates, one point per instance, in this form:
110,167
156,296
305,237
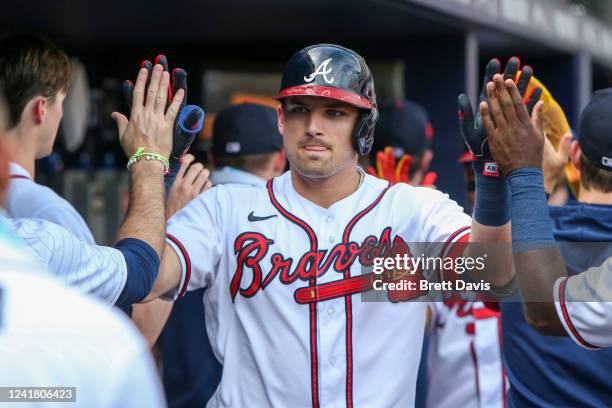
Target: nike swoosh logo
254,218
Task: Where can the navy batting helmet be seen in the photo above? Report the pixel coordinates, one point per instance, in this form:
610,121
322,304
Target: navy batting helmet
335,72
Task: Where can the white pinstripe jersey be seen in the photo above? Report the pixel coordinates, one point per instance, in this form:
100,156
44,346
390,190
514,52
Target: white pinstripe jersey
282,314
91,269
584,306
50,336
27,199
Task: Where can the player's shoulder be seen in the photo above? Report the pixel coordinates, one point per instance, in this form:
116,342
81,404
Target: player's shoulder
92,317
26,198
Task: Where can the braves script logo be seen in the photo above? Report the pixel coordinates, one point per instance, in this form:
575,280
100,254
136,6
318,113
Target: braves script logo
322,69
252,247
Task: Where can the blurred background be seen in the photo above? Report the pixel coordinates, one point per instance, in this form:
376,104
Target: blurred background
428,51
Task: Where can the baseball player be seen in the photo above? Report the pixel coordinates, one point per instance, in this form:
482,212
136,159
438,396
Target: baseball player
56,234
51,336
546,371
35,76
124,274
283,266
579,306
91,348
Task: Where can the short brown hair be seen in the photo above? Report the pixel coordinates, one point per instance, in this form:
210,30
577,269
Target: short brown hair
594,178
251,163
31,66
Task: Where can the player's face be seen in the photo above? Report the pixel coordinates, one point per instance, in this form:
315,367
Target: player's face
317,135
54,113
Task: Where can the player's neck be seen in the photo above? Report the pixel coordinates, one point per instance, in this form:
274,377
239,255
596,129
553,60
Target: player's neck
324,192
590,196
23,150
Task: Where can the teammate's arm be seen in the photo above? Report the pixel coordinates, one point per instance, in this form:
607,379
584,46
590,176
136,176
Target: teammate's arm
491,232
189,182
170,276
148,131
516,141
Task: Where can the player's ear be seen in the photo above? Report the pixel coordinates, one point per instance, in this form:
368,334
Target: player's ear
280,114
38,107
575,154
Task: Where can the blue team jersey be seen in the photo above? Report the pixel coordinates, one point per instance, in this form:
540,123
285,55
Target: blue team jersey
554,371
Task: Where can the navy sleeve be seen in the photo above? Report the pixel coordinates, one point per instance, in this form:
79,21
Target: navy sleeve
142,267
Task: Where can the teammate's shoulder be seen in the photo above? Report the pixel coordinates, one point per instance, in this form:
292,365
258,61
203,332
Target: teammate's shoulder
28,198
405,190
87,313
374,182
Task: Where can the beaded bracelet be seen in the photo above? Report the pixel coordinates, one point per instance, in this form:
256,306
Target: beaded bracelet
140,153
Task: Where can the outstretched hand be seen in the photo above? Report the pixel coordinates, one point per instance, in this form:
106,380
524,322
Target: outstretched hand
150,124
515,138
471,125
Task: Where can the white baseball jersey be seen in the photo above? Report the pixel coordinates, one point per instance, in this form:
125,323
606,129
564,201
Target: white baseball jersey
50,336
283,312
27,199
91,269
464,362
584,306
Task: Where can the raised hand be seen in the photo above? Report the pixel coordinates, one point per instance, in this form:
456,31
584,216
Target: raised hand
515,138
471,125
151,122
188,123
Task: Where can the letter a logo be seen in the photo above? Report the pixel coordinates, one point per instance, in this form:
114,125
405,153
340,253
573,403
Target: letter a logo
322,69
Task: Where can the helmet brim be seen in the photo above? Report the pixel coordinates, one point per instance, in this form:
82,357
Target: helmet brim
326,92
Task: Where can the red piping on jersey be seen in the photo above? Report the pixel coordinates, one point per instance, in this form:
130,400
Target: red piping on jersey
503,370
448,242
475,361
348,302
300,223
187,264
566,316
453,236
314,384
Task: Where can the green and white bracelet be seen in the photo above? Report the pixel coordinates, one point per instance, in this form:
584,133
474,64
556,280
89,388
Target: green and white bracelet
140,153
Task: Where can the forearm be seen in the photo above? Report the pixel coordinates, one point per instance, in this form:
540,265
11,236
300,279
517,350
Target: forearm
145,218
493,243
170,275
150,318
491,233
538,260
537,271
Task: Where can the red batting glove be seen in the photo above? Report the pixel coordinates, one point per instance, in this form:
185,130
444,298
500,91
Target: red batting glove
387,169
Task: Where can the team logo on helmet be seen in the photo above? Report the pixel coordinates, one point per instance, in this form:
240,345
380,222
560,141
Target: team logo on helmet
322,69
